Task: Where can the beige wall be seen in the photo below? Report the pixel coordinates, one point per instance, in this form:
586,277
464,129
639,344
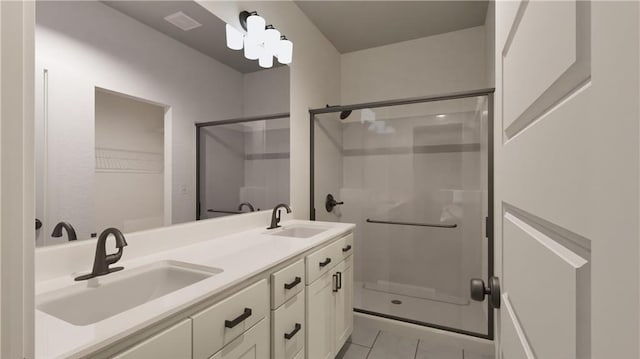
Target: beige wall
438,64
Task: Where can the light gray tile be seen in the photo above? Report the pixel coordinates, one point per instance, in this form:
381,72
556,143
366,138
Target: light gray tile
472,355
353,351
363,335
388,346
428,350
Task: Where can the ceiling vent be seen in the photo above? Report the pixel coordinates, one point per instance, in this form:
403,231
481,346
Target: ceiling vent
182,21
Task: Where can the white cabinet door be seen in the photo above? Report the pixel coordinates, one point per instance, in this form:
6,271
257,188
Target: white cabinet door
288,328
172,343
567,178
320,318
253,344
344,302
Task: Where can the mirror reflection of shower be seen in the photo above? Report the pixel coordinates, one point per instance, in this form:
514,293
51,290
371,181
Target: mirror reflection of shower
414,178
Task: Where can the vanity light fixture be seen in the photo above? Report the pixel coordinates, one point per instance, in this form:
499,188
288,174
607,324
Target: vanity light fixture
262,42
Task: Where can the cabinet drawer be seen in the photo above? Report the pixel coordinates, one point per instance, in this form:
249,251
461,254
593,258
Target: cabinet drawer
221,323
322,260
172,343
345,246
254,344
286,283
288,328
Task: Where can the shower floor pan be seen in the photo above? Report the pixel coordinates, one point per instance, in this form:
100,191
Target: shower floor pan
471,317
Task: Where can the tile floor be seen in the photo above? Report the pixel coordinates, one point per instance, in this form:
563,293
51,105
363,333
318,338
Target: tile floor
371,343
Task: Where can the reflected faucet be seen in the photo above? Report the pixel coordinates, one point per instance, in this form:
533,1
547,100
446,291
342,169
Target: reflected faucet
102,261
251,209
275,215
71,233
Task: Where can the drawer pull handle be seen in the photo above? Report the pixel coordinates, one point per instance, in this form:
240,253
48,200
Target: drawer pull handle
293,284
339,284
325,262
239,319
295,331
346,249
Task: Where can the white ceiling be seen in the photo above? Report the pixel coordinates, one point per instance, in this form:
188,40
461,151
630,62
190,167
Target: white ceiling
358,25
209,38
349,25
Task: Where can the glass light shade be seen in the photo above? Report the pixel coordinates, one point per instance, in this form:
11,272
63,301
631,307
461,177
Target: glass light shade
266,60
234,38
285,51
255,27
252,50
271,40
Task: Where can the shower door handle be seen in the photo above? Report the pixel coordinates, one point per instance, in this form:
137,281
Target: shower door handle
479,291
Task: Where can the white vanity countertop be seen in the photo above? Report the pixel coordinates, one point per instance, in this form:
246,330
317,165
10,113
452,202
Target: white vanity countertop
241,256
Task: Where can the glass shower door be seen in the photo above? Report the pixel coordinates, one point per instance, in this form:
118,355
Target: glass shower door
414,179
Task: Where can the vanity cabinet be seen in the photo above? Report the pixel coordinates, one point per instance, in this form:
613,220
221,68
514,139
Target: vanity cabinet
330,300
303,310
174,342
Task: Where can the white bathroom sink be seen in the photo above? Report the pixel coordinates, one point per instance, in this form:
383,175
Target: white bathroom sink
99,298
298,231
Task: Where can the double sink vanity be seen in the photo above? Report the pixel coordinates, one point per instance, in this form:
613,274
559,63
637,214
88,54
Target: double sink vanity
256,293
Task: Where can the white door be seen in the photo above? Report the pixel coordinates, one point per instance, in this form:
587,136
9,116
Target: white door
17,223
567,179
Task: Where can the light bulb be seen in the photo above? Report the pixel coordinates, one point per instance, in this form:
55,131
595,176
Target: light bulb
234,38
271,40
285,51
252,50
266,60
255,27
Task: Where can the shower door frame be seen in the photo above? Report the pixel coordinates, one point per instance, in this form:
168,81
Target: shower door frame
199,125
488,92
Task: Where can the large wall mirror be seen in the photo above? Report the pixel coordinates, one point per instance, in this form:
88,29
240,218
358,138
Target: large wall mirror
144,118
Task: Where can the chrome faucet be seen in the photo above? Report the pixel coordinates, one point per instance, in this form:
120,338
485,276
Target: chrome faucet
275,215
57,231
102,260
251,209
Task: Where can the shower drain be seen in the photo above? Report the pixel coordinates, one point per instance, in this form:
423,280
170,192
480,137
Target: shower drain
396,301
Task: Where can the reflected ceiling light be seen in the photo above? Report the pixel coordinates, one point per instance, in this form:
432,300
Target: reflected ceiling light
271,39
266,59
252,49
441,116
235,38
261,42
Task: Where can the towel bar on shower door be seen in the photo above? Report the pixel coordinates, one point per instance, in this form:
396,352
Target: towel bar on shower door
413,224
